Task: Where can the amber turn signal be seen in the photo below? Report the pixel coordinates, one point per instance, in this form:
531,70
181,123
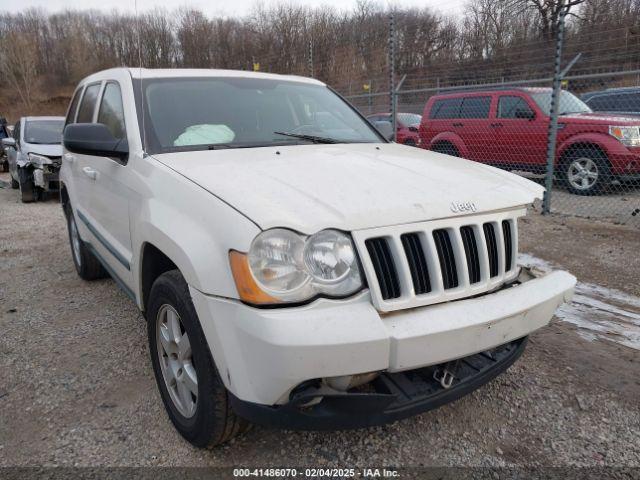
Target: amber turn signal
248,289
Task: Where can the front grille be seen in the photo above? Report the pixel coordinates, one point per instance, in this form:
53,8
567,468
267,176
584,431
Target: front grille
432,262
384,267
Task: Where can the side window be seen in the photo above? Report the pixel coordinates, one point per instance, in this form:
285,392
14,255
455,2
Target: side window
85,113
71,114
600,103
16,132
111,112
475,107
449,108
513,107
620,102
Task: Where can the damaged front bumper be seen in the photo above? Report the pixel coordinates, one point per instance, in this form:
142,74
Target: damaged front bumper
278,363
47,177
390,397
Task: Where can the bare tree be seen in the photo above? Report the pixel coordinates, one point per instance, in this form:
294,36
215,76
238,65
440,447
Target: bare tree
18,60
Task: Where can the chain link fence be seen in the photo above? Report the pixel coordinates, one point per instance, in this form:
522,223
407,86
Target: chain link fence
562,113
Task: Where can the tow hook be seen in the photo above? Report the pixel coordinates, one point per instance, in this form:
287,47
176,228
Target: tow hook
446,374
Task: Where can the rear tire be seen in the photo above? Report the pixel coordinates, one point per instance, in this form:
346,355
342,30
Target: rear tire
585,171
447,148
192,391
25,184
86,263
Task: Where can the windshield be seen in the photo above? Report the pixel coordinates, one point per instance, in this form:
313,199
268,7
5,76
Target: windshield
569,103
410,119
43,131
207,113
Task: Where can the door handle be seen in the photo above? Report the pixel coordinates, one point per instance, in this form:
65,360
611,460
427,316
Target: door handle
69,157
458,124
496,125
90,172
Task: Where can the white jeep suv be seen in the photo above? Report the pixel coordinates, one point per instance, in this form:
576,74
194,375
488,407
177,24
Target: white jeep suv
295,269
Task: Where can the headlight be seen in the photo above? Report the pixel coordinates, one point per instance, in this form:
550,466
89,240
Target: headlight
629,136
284,266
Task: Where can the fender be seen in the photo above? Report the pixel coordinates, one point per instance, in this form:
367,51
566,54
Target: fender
452,138
608,144
197,240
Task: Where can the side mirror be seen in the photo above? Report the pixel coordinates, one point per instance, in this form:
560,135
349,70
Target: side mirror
525,114
94,139
385,128
9,142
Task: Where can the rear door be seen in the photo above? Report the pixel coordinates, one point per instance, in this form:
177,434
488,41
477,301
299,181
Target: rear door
442,117
81,189
474,128
521,133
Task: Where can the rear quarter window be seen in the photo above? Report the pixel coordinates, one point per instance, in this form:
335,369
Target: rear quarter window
446,108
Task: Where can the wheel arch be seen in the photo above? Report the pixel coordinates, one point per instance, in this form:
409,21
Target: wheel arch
581,145
153,263
64,197
600,142
453,139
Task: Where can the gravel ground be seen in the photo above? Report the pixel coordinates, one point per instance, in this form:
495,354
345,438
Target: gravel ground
77,388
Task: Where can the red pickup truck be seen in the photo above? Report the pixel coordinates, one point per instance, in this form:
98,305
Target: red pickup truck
508,128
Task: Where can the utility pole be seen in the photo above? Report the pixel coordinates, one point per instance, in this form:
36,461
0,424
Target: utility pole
553,123
310,58
392,73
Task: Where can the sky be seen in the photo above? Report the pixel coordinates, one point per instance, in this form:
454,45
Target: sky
213,7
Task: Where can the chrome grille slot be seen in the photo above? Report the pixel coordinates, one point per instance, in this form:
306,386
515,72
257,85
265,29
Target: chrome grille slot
508,244
447,259
492,248
471,253
384,267
417,263
438,261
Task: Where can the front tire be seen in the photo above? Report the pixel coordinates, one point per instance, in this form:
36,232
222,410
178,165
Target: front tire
192,391
586,171
87,265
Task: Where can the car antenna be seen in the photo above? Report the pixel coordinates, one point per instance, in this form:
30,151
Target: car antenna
144,132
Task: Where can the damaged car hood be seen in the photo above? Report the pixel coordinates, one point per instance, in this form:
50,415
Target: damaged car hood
47,150
349,186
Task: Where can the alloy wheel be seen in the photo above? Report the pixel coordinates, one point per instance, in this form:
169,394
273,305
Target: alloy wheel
176,361
582,173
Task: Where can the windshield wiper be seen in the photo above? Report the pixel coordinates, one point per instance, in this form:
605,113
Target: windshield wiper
311,138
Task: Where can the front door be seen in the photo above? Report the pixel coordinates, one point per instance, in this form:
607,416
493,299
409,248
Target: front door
521,134
102,185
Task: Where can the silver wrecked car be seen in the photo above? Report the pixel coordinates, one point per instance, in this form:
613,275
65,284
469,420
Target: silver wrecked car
34,153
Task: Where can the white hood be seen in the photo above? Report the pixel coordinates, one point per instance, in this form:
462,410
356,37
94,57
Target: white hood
349,187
